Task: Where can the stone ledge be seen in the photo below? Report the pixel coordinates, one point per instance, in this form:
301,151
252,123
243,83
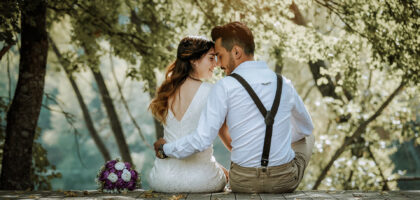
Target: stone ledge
142,194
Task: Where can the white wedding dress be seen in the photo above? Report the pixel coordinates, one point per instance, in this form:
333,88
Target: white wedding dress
197,173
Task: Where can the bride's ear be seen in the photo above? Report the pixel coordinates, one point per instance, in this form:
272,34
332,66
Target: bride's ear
193,63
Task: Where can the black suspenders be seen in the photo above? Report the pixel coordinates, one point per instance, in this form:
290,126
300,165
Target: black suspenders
268,115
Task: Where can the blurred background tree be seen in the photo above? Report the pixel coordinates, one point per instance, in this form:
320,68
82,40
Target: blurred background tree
354,63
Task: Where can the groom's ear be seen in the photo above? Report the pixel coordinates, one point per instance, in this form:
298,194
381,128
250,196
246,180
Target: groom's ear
237,52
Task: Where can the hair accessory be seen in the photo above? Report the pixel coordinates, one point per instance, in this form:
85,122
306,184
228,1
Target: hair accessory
187,43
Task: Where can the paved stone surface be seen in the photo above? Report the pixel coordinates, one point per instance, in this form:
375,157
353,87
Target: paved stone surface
149,195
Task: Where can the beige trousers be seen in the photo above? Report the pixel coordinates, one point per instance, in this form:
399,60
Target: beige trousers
275,179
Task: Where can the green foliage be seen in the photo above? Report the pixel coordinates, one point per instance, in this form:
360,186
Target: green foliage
391,28
9,21
368,47
361,72
3,108
42,171
357,65
140,32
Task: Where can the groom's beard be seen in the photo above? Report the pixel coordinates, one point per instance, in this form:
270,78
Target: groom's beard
231,64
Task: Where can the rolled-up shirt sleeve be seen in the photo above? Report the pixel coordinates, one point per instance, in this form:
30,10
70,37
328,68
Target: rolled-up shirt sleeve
211,119
301,120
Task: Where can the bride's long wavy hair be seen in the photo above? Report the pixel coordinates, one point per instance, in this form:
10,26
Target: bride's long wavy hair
189,49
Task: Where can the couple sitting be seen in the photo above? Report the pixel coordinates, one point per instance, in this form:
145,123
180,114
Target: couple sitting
257,114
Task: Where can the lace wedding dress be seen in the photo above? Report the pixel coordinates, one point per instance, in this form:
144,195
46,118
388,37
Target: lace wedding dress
197,173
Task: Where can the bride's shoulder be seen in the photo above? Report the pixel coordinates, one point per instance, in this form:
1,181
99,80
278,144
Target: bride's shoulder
207,86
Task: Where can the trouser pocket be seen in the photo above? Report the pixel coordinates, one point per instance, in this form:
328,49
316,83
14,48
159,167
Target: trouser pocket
283,181
242,181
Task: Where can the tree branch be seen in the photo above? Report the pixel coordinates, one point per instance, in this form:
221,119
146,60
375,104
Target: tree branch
298,17
346,184
70,120
406,178
9,78
88,119
127,38
124,101
356,134
385,186
307,93
206,13
327,90
5,49
337,12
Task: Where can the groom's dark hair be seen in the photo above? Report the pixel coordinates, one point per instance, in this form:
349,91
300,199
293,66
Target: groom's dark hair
235,33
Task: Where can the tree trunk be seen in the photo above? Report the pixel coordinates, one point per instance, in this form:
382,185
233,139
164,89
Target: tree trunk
124,101
278,68
22,118
327,90
88,120
152,88
113,117
158,128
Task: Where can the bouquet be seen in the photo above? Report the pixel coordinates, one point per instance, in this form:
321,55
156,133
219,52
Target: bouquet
116,176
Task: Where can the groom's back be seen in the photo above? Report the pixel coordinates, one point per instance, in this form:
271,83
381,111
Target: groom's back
245,122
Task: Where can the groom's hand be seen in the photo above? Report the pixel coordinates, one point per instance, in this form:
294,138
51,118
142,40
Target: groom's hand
159,142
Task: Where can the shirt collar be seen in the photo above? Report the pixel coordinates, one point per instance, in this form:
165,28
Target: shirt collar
250,65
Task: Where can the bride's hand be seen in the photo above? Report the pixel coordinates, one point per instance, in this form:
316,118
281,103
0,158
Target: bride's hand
157,144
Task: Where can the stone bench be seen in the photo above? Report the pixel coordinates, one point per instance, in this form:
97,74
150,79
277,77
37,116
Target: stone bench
142,194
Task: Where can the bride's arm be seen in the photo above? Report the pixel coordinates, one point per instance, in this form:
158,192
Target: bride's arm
225,136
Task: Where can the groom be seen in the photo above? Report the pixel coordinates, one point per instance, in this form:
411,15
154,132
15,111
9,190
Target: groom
270,149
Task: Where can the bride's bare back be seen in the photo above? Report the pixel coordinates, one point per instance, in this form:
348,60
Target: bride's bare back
181,101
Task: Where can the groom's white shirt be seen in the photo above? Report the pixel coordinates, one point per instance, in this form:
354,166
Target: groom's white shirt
229,99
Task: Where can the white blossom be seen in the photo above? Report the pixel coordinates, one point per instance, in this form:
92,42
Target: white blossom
112,177
126,175
119,166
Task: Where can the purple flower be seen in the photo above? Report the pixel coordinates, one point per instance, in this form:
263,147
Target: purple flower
119,173
104,175
112,170
120,184
108,185
127,165
131,185
110,164
133,174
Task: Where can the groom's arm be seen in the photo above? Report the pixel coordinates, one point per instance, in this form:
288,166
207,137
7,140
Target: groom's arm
211,119
301,120
224,136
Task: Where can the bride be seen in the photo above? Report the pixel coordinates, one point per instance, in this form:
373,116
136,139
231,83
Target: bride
177,105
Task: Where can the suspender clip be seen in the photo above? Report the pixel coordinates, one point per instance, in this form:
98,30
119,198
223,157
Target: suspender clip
264,164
